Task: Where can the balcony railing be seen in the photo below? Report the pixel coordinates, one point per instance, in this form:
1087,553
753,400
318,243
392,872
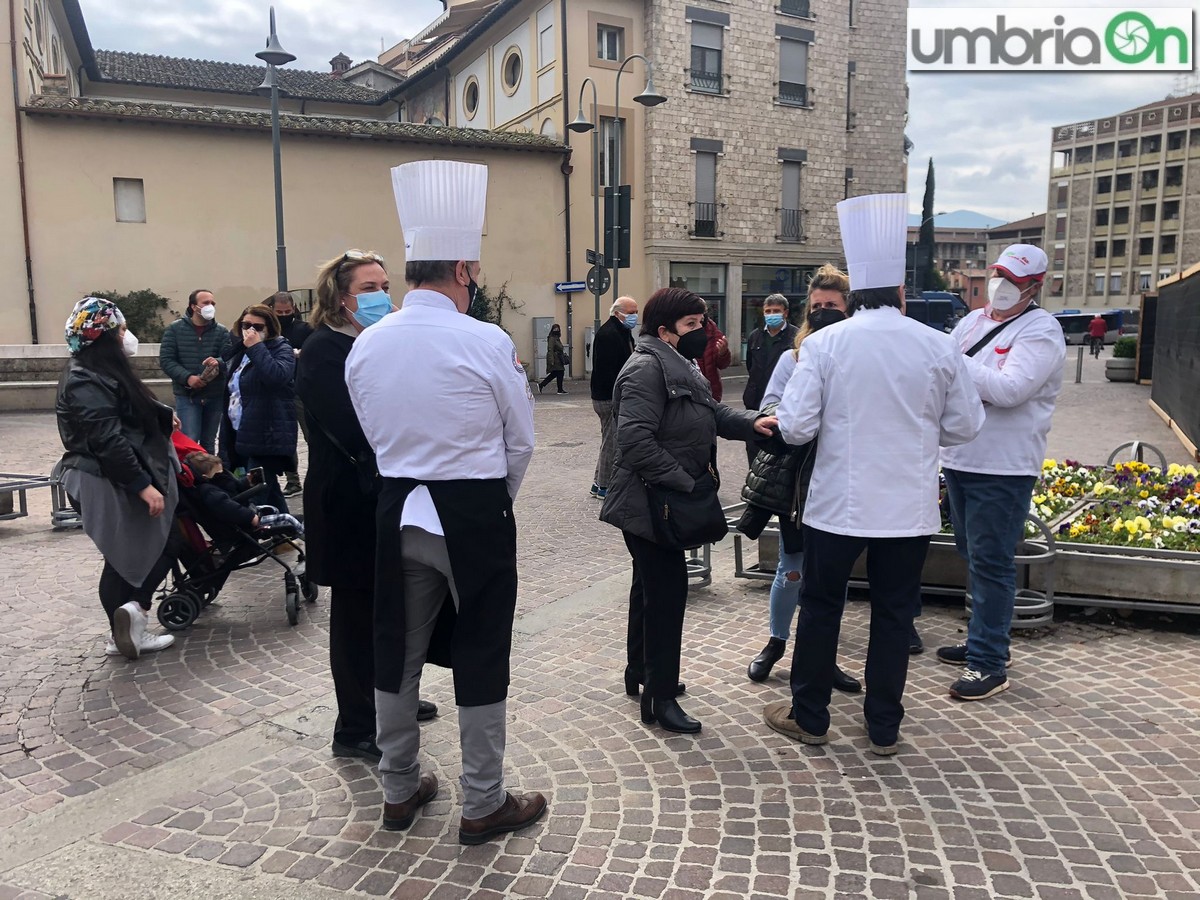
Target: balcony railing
706,220
706,82
789,225
792,93
795,8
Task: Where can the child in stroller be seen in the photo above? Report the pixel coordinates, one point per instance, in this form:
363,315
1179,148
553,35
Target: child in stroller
242,536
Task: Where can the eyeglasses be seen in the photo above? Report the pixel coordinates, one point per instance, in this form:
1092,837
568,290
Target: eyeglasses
253,326
364,256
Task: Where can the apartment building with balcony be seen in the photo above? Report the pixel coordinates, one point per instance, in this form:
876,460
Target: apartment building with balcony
1123,204
775,112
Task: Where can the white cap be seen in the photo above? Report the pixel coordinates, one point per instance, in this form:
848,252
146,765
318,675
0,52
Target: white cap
441,205
874,231
1024,262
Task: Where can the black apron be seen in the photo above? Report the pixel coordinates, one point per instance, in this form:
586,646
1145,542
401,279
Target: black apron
481,540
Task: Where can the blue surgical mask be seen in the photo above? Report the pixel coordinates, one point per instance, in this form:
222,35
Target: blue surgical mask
372,307
631,321
773,320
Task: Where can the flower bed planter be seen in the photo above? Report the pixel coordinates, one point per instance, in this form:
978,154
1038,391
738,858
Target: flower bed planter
1120,369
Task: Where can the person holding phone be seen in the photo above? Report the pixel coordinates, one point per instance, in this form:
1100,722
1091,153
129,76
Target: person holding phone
259,430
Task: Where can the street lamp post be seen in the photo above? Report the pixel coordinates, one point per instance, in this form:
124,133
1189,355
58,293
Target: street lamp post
648,97
581,126
274,55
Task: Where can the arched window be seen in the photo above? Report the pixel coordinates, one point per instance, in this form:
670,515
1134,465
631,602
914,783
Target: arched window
55,57
32,84
548,129
38,23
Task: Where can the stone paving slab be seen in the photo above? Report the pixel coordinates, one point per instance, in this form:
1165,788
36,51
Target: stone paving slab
210,761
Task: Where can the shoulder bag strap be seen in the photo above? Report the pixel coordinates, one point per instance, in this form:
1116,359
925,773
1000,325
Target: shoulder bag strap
333,440
983,341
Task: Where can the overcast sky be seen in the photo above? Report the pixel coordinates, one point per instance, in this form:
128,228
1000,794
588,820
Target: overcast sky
988,134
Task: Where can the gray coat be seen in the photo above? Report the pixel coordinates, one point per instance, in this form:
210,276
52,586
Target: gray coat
667,423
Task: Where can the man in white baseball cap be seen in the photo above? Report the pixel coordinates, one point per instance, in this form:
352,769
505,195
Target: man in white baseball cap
446,406
883,391
1015,352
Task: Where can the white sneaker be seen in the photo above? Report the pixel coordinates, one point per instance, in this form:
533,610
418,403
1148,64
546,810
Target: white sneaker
111,648
129,626
151,643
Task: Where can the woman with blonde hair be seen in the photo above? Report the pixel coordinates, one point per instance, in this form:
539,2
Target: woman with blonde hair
777,483
339,493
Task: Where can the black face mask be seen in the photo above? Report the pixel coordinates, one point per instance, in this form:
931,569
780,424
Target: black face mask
692,344
472,291
819,318
285,321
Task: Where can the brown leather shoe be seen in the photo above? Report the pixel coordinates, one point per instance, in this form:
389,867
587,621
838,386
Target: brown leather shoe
516,813
398,816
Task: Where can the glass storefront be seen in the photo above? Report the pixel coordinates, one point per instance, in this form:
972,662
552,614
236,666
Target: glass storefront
707,280
759,281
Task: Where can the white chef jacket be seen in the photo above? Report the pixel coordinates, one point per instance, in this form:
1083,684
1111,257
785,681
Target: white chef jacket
779,379
885,392
1018,376
441,396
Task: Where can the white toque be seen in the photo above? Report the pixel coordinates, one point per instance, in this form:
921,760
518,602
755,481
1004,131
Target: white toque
874,232
441,204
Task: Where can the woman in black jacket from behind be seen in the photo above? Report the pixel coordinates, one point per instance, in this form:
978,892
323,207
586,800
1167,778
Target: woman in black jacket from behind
119,470
667,426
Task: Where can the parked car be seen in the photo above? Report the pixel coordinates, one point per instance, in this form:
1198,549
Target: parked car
937,309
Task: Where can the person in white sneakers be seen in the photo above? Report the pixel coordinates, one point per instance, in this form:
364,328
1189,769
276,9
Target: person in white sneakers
118,470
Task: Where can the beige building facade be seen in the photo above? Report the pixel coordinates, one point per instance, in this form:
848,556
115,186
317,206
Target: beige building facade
1123,204
773,115
139,178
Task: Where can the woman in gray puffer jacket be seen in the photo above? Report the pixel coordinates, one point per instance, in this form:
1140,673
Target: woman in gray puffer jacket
667,424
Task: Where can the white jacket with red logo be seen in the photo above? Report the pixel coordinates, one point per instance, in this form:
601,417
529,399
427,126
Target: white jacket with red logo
1018,375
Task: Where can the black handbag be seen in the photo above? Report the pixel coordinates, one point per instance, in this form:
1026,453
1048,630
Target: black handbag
685,520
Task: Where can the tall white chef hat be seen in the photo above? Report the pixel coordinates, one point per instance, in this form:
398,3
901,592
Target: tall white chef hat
441,206
874,231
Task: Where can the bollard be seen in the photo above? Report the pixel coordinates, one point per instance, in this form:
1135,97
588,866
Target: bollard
1079,366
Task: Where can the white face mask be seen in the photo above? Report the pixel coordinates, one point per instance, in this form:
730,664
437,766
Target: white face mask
1003,295
208,313
129,343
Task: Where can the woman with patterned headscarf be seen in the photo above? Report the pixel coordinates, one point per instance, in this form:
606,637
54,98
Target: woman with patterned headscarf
119,469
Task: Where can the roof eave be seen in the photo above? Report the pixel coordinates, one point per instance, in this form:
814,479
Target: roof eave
83,41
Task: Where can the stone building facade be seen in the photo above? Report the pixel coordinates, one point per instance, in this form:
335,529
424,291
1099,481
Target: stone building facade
774,113
1123,204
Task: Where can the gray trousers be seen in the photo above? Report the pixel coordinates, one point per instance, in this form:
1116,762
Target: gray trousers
481,729
608,441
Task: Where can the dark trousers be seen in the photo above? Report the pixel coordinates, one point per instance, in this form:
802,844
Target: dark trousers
657,598
352,662
556,374
115,591
894,571
273,467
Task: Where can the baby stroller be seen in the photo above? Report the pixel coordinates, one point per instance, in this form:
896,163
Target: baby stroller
202,566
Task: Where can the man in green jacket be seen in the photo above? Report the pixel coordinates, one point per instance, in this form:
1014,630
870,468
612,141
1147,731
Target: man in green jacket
190,354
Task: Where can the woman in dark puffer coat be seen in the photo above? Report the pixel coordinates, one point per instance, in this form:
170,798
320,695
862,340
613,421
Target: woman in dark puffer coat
667,425
259,428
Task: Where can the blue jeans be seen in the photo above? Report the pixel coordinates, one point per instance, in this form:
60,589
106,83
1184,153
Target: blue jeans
200,419
785,592
988,513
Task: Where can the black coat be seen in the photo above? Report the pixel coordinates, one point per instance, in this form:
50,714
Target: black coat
761,360
268,401
339,518
104,436
215,497
667,423
295,331
777,484
611,348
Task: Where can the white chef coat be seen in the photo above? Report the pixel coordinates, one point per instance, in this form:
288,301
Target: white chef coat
779,379
1018,376
441,396
885,392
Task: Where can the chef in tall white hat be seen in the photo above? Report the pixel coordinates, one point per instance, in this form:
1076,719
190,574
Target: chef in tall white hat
1015,352
883,391
446,406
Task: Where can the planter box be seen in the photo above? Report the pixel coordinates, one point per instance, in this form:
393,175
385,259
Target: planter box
1120,369
1126,576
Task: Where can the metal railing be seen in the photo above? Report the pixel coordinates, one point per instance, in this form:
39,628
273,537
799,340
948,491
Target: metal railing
795,7
706,82
706,220
793,93
790,225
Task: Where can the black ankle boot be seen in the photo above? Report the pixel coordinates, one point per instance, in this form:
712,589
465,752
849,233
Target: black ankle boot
633,685
845,682
668,714
761,665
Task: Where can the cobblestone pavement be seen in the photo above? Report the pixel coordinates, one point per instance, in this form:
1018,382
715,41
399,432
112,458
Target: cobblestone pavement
204,770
